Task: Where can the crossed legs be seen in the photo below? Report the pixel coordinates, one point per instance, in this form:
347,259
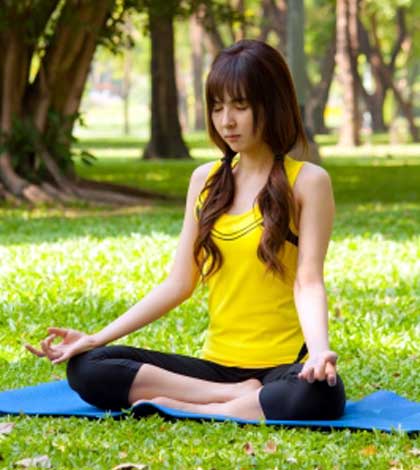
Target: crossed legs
185,393
116,377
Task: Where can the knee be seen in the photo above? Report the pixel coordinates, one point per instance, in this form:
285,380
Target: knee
326,402
301,400
81,374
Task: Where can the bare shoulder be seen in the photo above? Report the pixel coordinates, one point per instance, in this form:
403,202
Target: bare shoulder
199,175
311,178
203,170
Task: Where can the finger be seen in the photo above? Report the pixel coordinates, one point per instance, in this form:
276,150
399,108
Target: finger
47,349
310,375
49,340
319,373
303,374
331,357
45,343
33,350
58,331
59,359
331,374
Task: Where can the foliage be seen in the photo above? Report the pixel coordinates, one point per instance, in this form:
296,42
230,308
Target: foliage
25,140
319,29
81,267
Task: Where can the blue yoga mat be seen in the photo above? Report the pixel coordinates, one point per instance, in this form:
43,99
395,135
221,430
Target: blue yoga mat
382,410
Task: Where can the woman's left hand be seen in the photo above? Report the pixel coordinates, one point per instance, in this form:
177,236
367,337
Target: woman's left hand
322,366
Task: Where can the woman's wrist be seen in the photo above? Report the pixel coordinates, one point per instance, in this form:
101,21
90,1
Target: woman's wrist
95,340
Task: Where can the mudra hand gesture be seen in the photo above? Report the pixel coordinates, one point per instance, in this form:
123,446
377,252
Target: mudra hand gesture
322,366
74,342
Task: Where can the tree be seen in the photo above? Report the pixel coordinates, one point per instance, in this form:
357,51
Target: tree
375,45
40,103
166,139
320,49
273,18
197,51
346,60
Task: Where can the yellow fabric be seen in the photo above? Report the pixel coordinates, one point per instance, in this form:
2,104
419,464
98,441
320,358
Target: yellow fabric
253,319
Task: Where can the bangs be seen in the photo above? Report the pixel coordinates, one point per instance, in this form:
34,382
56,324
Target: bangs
231,77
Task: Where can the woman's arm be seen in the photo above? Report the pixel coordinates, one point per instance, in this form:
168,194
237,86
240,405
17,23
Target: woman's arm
314,196
177,287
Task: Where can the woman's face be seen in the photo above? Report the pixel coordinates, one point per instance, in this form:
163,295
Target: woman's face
234,122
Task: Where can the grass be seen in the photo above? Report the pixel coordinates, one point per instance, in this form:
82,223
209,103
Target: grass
81,267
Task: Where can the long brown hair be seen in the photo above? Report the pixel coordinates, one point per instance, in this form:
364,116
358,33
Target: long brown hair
256,70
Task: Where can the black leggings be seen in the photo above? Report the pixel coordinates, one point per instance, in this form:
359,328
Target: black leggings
103,377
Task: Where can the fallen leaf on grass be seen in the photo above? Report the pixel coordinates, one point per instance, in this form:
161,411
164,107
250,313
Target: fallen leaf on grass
369,450
249,449
6,428
270,447
394,464
129,466
42,461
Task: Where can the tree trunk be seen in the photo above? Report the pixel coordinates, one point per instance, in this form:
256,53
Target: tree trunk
212,38
274,18
166,139
197,51
127,81
386,71
375,101
14,74
319,94
241,32
349,131
295,48
128,65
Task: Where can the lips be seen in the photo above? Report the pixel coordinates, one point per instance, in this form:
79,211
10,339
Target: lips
232,137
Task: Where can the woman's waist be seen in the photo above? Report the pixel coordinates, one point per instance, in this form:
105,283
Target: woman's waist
260,346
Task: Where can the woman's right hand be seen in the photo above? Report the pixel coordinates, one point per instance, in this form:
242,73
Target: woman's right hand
74,342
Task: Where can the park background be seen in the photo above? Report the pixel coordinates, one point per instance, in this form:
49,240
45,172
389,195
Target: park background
102,123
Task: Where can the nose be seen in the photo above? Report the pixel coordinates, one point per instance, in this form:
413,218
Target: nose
228,119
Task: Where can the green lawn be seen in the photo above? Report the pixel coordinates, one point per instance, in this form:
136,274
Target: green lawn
81,267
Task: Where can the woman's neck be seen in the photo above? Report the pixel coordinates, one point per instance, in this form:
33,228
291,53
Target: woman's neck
256,161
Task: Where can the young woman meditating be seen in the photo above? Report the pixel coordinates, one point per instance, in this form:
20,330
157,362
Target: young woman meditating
256,230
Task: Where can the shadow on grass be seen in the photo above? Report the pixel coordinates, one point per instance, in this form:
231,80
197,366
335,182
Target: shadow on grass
364,184
21,229
391,222
370,200
397,222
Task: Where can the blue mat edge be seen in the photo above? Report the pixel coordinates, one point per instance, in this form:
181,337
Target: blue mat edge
146,408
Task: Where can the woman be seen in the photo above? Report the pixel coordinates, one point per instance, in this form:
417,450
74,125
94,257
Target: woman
256,229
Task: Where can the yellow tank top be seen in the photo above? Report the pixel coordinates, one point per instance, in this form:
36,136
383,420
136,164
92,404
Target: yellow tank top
253,322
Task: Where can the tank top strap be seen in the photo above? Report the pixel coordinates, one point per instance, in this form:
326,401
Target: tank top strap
292,168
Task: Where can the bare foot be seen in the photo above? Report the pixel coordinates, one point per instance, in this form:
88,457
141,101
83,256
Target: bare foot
240,389
246,407
201,408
